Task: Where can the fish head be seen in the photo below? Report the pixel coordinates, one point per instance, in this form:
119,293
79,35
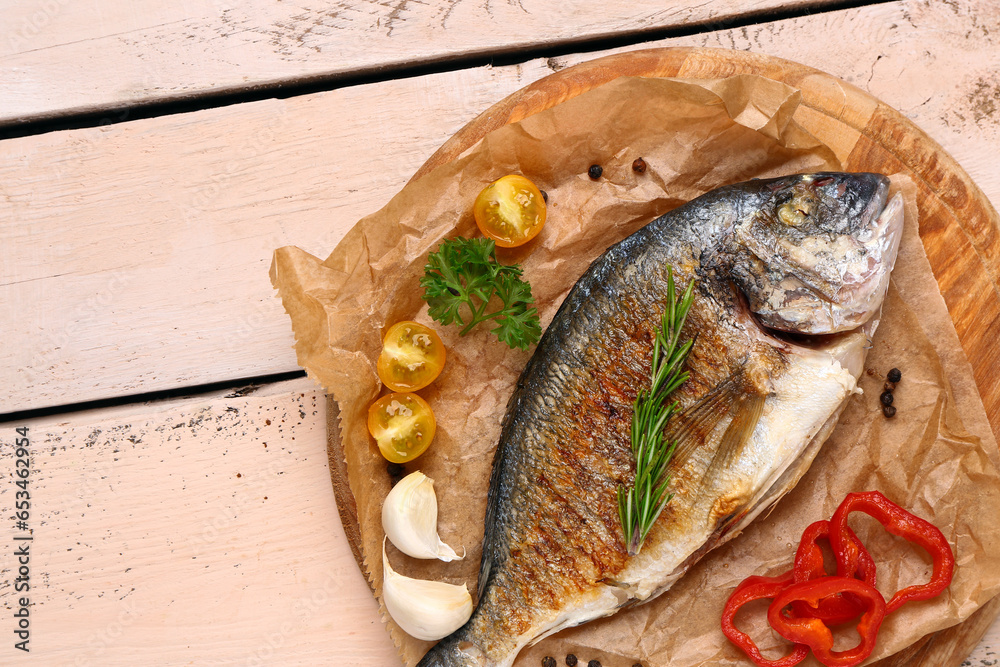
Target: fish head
814,251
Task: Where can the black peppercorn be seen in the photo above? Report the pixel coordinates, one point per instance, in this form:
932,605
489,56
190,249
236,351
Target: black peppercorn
639,165
594,663
889,411
571,660
894,375
886,398
595,171
888,386
548,661
545,196
395,470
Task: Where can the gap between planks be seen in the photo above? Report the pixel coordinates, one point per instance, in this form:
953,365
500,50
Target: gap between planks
239,387
198,530
57,64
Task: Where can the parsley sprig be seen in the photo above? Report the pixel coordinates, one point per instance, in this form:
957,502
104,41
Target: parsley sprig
640,504
465,284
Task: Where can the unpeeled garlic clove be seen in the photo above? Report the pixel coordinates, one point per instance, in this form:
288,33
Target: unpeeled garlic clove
409,518
427,610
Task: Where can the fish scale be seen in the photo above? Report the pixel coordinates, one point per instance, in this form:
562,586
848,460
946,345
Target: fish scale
756,408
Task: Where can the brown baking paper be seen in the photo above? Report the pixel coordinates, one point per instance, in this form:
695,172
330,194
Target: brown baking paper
935,457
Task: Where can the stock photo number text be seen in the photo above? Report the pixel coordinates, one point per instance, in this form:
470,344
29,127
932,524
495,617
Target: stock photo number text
22,538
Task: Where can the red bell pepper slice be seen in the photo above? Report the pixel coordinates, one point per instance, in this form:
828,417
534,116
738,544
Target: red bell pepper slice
837,608
813,632
898,522
758,588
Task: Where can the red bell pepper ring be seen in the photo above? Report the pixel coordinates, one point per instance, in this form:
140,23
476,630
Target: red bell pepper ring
758,588
813,632
898,522
837,608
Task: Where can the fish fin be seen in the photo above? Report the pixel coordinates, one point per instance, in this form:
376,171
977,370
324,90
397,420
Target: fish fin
491,537
745,410
746,414
699,426
694,426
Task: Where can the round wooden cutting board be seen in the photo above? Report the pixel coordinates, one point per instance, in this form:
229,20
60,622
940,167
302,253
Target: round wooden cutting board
959,227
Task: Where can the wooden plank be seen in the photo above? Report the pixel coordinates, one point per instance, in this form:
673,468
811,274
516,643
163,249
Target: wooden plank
986,651
56,59
98,221
953,646
200,530
169,530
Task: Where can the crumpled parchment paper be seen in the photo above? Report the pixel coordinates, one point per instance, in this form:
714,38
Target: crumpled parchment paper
937,457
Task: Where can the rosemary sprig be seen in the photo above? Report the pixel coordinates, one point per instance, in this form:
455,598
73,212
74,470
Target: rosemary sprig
641,504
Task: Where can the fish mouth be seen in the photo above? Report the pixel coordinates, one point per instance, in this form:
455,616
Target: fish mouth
864,285
836,283
876,207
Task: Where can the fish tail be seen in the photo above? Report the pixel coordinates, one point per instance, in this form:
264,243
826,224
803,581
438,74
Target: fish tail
447,653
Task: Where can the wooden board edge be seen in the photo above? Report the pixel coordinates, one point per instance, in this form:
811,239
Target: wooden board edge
949,647
346,504
957,641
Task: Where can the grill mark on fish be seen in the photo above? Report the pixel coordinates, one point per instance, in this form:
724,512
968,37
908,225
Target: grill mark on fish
553,551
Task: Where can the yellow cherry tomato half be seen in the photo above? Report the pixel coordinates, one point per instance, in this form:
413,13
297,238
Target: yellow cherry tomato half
403,425
412,357
510,210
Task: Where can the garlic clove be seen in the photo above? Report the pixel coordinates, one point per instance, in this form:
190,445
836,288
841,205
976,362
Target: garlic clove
427,610
409,518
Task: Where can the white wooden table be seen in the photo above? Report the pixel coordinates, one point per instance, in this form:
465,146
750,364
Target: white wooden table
152,155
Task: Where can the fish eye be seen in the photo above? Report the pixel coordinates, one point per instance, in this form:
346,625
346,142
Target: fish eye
792,214
795,207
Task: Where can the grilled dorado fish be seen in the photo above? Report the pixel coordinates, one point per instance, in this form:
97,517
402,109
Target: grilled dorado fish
806,254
